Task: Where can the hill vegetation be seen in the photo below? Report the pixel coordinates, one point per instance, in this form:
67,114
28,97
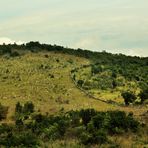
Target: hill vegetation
60,97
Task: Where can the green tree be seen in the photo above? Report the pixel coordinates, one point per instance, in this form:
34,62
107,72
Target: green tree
129,97
143,95
3,112
18,108
28,107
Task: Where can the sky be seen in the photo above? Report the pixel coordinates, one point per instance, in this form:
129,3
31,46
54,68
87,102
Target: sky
117,26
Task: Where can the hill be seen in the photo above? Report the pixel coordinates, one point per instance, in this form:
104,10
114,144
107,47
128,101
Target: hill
55,78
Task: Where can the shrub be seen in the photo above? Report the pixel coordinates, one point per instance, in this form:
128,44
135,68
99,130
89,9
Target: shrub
120,122
18,108
52,132
85,138
129,97
24,139
143,95
96,69
80,83
28,108
99,137
3,112
98,120
133,124
75,118
14,54
86,115
28,139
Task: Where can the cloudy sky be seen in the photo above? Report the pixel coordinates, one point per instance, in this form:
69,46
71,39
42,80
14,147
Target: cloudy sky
118,26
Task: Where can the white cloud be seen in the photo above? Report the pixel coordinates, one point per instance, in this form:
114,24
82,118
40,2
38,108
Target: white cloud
87,43
115,26
5,40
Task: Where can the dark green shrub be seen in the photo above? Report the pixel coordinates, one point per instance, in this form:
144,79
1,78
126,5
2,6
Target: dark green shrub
99,137
28,139
28,108
5,50
86,115
117,121
51,132
96,69
133,124
129,97
18,108
143,95
85,138
17,139
80,83
98,120
74,118
19,122
75,132
14,54
3,112
114,84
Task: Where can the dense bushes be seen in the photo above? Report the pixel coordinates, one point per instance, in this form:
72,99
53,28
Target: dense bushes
23,139
123,80
86,125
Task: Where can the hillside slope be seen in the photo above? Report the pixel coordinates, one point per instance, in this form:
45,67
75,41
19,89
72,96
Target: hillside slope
57,80
43,78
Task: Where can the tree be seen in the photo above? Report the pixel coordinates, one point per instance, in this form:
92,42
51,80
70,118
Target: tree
143,95
114,84
80,83
18,108
129,97
28,107
86,115
96,69
3,112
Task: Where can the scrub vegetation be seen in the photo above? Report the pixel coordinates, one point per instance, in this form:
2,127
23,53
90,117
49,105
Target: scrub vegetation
53,96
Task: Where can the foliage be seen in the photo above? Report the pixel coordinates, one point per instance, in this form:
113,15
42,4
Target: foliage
143,95
87,125
129,97
3,112
106,72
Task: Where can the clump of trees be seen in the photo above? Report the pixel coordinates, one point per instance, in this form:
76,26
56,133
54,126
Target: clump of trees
87,125
130,97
